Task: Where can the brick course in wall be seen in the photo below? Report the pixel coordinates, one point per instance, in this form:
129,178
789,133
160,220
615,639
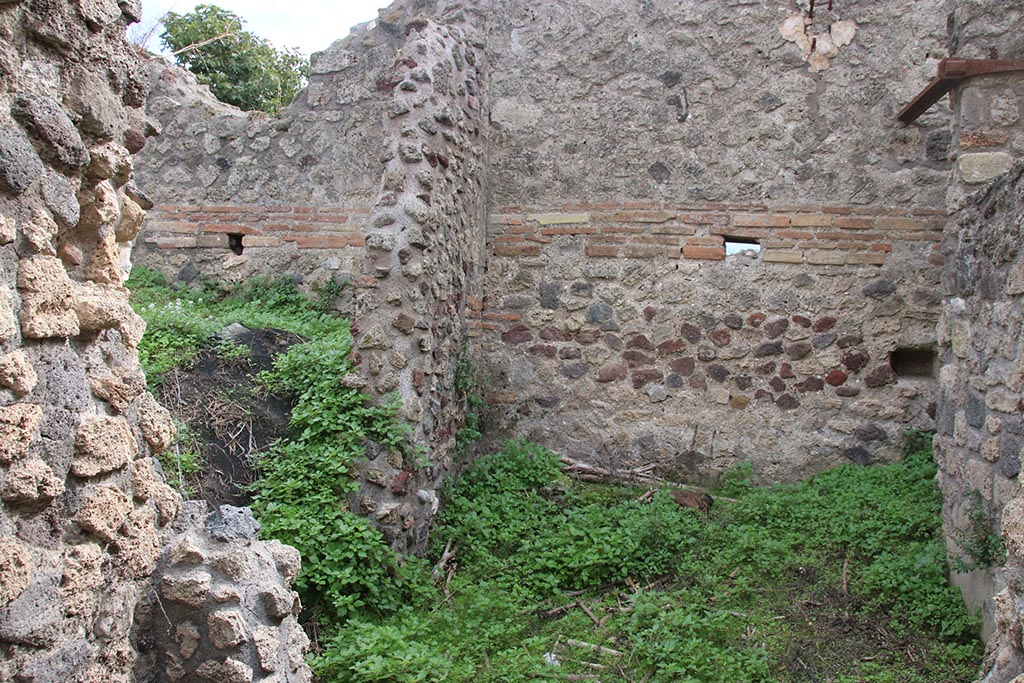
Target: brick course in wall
172,226
830,235
622,332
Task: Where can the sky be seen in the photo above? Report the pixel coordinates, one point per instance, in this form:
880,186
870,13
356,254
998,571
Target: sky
309,25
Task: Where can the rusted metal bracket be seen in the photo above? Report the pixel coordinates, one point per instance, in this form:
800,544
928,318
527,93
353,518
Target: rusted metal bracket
950,72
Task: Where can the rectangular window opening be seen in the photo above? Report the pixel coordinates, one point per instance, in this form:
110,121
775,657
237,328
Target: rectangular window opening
737,245
914,361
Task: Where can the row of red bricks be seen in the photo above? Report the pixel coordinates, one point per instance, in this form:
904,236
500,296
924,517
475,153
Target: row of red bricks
208,226
790,236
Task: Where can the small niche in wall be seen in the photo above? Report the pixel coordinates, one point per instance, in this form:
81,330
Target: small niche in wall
235,242
914,361
737,245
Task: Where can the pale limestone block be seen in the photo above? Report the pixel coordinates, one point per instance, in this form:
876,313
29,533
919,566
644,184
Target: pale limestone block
234,563
189,589
118,387
226,629
8,323
17,373
278,601
8,230
842,32
267,644
16,569
29,481
287,559
47,299
138,546
105,510
227,671
83,575
104,265
103,444
18,426
188,639
981,167
132,216
793,27
101,306
1013,526
156,423
39,232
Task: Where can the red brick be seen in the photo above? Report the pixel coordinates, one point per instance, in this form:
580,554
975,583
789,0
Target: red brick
760,220
644,251
356,241
222,208
840,236
706,253
622,230
331,218
172,242
601,250
705,241
853,223
318,242
230,228
899,223
261,241
516,250
794,234
670,229
217,241
581,229
733,231
175,227
866,258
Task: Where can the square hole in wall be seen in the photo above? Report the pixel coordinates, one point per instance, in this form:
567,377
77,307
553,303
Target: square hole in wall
914,361
739,245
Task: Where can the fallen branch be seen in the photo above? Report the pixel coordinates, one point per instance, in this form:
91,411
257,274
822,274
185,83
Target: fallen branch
592,647
597,474
439,569
590,614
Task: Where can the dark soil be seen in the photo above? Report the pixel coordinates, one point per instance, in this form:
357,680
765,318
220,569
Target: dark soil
232,418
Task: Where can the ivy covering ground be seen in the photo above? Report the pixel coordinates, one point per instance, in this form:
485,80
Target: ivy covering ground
839,578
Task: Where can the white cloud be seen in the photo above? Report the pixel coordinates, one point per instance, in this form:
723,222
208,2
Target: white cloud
309,25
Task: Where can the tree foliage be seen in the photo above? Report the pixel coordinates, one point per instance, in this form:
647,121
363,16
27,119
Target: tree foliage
241,68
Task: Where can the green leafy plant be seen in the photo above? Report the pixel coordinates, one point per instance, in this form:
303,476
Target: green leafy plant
550,571
467,383
240,68
300,494
979,538
183,461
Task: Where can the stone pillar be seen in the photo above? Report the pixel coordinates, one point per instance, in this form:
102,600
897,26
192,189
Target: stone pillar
988,132
980,426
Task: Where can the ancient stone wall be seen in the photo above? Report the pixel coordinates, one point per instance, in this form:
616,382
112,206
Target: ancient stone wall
372,177
979,429
980,422
623,334
84,509
622,150
627,148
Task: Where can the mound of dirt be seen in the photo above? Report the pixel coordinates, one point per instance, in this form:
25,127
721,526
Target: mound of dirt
229,417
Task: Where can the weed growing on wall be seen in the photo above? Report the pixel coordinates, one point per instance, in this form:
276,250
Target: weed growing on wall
840,578
979,537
